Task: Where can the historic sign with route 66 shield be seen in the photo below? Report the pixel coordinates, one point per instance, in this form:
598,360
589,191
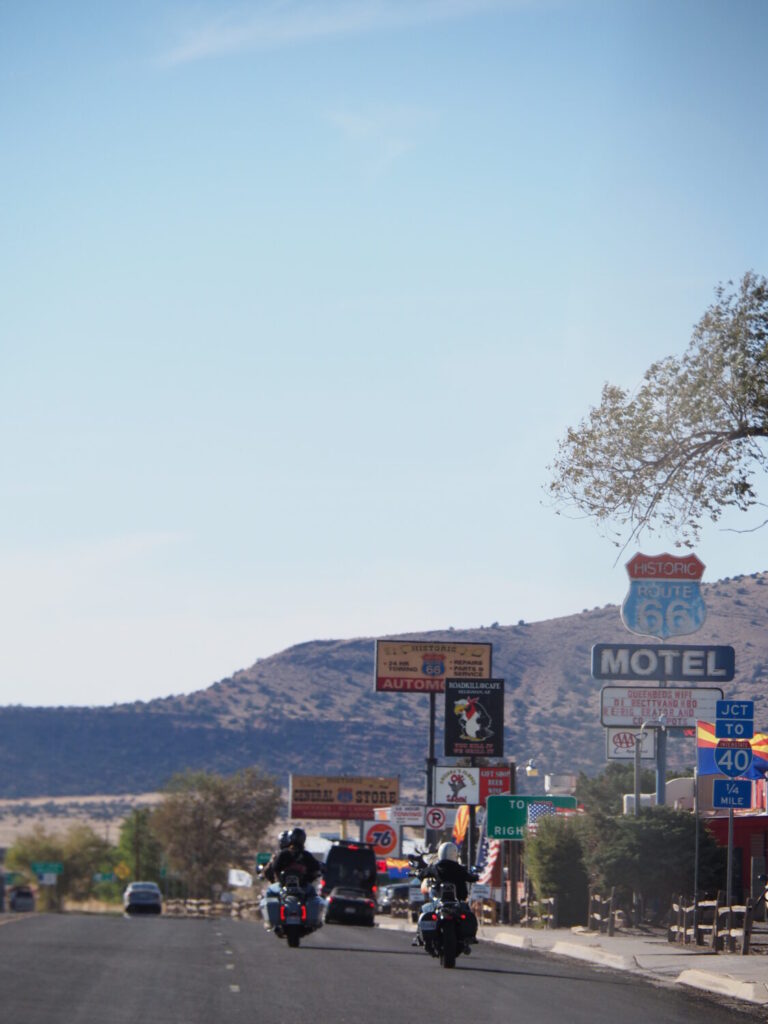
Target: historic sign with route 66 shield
664,596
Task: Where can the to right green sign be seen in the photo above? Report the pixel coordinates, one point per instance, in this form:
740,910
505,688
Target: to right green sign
507,817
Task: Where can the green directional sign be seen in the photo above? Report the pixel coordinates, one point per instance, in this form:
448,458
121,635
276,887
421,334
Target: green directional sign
507,817
47,867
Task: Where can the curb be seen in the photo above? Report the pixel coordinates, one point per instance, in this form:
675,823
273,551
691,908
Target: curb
749,991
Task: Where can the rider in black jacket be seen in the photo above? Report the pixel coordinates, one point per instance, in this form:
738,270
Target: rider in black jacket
448,869
294,860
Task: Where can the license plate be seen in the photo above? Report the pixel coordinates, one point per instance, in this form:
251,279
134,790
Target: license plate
349,910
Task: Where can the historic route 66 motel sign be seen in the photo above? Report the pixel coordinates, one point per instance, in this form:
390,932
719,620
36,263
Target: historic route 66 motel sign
664,596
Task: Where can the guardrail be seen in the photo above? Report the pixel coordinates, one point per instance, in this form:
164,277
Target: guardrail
721,927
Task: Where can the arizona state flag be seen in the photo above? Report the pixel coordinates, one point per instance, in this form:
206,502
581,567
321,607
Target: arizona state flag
705,750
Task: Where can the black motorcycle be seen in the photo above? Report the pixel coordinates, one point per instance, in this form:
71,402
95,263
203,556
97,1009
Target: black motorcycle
446,925
292,911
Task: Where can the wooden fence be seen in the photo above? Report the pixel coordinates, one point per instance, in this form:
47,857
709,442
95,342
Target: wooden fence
712,923
602,912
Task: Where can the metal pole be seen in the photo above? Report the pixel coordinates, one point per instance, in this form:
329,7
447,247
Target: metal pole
696,851
430,765
729,872
661,762
638,746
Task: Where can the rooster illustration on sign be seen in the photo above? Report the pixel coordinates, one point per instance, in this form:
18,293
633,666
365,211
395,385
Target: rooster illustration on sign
474,720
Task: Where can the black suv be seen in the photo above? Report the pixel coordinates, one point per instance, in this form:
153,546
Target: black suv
350,865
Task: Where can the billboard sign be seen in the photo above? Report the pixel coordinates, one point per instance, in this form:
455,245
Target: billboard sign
401,814
683,663
620,744
406,666
453,786
681,708
474,717
341,796
664,596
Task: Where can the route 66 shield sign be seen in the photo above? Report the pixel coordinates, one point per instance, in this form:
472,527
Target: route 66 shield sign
664,596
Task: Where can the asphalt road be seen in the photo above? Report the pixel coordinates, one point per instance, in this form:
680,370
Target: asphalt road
81,969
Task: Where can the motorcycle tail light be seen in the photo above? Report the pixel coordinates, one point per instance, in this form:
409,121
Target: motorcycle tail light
303,912
371,903
463,917
282,913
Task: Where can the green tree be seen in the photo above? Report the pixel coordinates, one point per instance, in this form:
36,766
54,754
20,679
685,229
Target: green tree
140,847
653,855
208,823
604,793
80,851
554,858
685,446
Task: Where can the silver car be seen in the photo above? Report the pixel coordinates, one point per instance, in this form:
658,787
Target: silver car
142,898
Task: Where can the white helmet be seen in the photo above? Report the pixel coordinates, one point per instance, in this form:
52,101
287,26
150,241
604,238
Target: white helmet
448,851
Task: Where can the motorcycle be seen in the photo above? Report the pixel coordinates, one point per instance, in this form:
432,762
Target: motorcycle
292,911
446,924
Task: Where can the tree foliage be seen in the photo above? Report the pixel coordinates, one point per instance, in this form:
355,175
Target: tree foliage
652,854
555,862
604,792
687,444
208,823
139,846
80,851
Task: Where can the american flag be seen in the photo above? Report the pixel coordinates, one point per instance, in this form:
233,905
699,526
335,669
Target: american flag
489,862
535,813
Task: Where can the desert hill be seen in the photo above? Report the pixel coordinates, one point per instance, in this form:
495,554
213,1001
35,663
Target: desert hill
312,708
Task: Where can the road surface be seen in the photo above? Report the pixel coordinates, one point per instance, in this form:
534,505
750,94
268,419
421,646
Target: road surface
99,969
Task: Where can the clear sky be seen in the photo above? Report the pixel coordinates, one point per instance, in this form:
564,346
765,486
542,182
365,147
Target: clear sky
297,298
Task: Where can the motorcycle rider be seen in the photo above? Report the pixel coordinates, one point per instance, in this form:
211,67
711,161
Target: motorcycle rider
447,869
293,859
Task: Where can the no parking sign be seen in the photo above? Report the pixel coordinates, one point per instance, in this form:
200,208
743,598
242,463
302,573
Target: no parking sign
383,838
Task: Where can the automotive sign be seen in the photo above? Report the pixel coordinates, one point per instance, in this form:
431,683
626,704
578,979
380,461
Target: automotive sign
664,596
404,666
474,717
683,663
341,796
681,708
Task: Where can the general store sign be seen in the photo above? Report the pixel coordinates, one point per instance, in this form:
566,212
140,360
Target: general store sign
340,796
682,708
404,666
683,663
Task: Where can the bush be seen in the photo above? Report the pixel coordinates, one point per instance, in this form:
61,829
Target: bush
554,858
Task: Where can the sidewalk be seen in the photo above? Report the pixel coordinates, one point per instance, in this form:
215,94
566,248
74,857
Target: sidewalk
724,974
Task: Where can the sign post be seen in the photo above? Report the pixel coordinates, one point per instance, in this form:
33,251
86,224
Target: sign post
733,756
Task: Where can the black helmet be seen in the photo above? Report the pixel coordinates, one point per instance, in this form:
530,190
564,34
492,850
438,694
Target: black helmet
284,839
297,838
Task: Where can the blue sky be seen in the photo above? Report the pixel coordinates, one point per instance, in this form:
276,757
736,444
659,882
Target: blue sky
298,298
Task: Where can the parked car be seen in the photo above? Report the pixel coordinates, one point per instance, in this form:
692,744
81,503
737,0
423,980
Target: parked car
350,865
142,898
350,906
21,898
402,893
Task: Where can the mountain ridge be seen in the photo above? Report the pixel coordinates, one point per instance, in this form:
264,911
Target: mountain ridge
312,708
